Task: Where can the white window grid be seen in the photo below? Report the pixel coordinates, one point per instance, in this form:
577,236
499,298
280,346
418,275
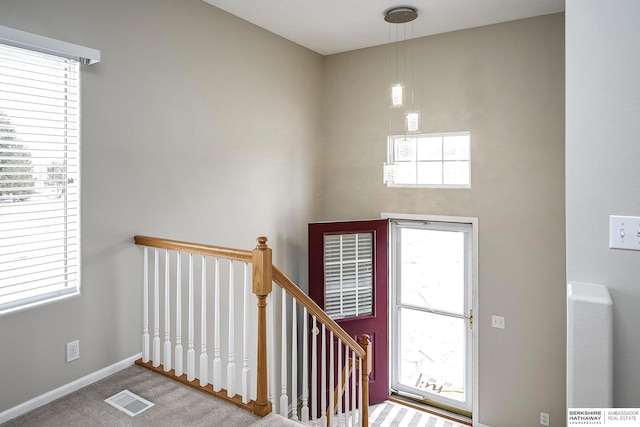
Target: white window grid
439,160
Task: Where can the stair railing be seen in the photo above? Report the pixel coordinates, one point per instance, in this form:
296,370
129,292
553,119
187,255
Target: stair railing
321,377
330,393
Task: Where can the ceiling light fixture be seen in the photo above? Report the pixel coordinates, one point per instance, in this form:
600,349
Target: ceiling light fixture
399,86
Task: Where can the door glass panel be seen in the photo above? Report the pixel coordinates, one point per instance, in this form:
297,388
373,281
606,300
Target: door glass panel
432,269
432,358
348,266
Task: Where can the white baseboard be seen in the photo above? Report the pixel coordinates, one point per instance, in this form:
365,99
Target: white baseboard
483,425
61,391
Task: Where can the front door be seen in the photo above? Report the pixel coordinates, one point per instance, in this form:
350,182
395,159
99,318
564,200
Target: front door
348,274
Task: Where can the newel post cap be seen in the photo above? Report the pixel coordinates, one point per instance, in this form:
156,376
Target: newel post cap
262,243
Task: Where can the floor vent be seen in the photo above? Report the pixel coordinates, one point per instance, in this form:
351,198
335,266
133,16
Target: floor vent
129,403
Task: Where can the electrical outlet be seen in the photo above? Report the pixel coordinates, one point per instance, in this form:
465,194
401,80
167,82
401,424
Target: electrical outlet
73,350
544,418
497,322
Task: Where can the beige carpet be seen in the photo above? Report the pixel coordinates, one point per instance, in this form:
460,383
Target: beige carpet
174,405
177,405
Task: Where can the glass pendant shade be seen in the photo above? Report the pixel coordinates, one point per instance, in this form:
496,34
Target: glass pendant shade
412,121
397,95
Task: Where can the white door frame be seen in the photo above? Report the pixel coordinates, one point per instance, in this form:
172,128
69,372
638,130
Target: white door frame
473,221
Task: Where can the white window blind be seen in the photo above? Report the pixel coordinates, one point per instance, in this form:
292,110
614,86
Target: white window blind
348,260
39,177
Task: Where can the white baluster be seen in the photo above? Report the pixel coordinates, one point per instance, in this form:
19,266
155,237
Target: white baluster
145,306
156,310
294,360
245,347
284,399
304,412
204,358
345,418
340,385
191,351
314,368
360,367
217,362
167,315
332,382
347,401
231,365
178,351
353,387
323,378
271,351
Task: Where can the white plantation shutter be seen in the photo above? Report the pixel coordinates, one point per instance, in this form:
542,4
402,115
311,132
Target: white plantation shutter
39,177
348,260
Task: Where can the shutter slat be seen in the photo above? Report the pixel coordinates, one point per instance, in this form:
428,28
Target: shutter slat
67,269
36,285
69,254
48,219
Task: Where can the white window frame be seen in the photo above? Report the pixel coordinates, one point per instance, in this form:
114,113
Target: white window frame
473,302
40,238
393,161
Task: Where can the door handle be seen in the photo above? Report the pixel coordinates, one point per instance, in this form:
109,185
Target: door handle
470,319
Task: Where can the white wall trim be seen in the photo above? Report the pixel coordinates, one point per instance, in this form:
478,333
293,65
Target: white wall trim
483,425
61,391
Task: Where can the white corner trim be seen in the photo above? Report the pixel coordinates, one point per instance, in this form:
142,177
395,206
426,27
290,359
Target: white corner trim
61,391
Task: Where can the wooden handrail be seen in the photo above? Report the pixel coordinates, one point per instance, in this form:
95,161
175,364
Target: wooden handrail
303,299
194,248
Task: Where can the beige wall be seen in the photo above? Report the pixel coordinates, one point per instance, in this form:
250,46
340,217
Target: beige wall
505,84
195,126
603,173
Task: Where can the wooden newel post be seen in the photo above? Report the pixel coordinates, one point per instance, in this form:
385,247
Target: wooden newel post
262,283
365,343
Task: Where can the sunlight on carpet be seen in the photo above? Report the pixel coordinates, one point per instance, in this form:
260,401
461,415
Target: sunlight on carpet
396,415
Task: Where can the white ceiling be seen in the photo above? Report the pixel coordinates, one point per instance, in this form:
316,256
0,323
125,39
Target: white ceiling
333,26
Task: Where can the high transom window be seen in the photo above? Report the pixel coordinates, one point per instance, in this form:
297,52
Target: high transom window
429,160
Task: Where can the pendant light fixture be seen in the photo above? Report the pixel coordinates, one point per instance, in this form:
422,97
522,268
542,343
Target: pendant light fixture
400,16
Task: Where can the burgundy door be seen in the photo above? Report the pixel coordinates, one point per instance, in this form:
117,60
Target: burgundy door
348,273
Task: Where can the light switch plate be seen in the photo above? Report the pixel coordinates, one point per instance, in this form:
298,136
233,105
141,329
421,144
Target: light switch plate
497,322
624,232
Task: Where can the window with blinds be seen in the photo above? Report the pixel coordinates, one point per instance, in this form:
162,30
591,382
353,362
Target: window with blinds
39,177
348,267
